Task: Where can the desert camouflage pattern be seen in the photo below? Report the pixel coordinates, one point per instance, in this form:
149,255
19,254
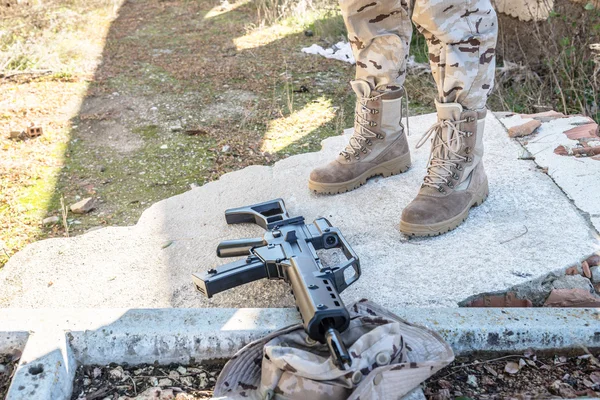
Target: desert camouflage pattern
379,32
390,357
461,37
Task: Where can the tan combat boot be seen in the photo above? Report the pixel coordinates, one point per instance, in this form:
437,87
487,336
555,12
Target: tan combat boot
455,180
377,147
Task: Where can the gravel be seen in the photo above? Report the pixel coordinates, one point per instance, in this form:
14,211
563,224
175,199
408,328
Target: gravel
521,376
8,363
140,382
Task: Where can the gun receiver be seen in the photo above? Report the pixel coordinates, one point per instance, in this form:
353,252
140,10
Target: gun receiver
288,251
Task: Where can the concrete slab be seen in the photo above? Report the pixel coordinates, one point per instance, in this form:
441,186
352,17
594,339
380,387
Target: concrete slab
578,177
149,264
63,339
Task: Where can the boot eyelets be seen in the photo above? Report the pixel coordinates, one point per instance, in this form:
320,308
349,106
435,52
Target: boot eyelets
467,150
371,123
364,150
470,119
450,185
369,142
468,134
459,167
469,159
379,136
455,176
441,190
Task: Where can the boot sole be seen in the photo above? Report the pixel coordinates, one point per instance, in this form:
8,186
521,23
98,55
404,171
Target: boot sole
393,167
448,225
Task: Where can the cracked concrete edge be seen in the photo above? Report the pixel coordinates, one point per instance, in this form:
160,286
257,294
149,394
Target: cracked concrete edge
61,339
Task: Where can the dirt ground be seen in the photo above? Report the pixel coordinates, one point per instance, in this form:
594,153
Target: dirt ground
8,363
166,95
521,377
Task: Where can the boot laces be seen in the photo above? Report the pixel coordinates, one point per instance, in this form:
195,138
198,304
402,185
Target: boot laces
362,134
445,157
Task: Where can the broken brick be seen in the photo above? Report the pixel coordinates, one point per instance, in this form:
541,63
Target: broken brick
523,130
587,131
509,299
545,116
561,151
572,298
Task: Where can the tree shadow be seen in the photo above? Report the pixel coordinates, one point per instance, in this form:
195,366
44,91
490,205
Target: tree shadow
175,103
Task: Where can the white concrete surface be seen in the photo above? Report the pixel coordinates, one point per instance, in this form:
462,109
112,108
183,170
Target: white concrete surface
133,267
578,177
62,339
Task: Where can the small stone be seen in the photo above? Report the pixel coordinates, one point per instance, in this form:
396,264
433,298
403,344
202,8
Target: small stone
187,381
308,33
182,370
593,260
203,380
595,271
84,206
525,129
472,381
175,127
165,382
101,168
3,369
194,370
573,282
164,147
138,372
50,220
174,375
116,373
87,381
97,372
153,108
153,381
586,270
226,149
574,270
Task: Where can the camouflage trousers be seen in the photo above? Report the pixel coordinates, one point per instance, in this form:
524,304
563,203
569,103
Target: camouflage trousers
461,37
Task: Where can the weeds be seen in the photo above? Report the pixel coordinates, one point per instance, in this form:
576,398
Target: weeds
562,76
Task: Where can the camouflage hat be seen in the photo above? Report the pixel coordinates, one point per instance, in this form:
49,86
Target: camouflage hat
390,357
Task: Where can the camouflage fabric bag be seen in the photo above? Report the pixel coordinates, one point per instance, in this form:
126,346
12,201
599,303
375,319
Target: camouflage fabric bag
390,358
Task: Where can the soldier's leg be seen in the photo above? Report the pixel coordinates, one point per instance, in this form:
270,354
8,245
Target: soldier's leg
461,35
380,33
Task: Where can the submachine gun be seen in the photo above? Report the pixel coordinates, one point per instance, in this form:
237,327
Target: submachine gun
288,251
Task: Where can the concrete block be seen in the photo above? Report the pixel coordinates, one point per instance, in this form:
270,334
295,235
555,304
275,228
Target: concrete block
63,338
46,369
511,239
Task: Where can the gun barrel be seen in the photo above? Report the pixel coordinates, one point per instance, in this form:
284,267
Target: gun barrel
238,247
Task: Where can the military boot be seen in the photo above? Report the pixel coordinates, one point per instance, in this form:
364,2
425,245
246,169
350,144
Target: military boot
455,180
377,147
